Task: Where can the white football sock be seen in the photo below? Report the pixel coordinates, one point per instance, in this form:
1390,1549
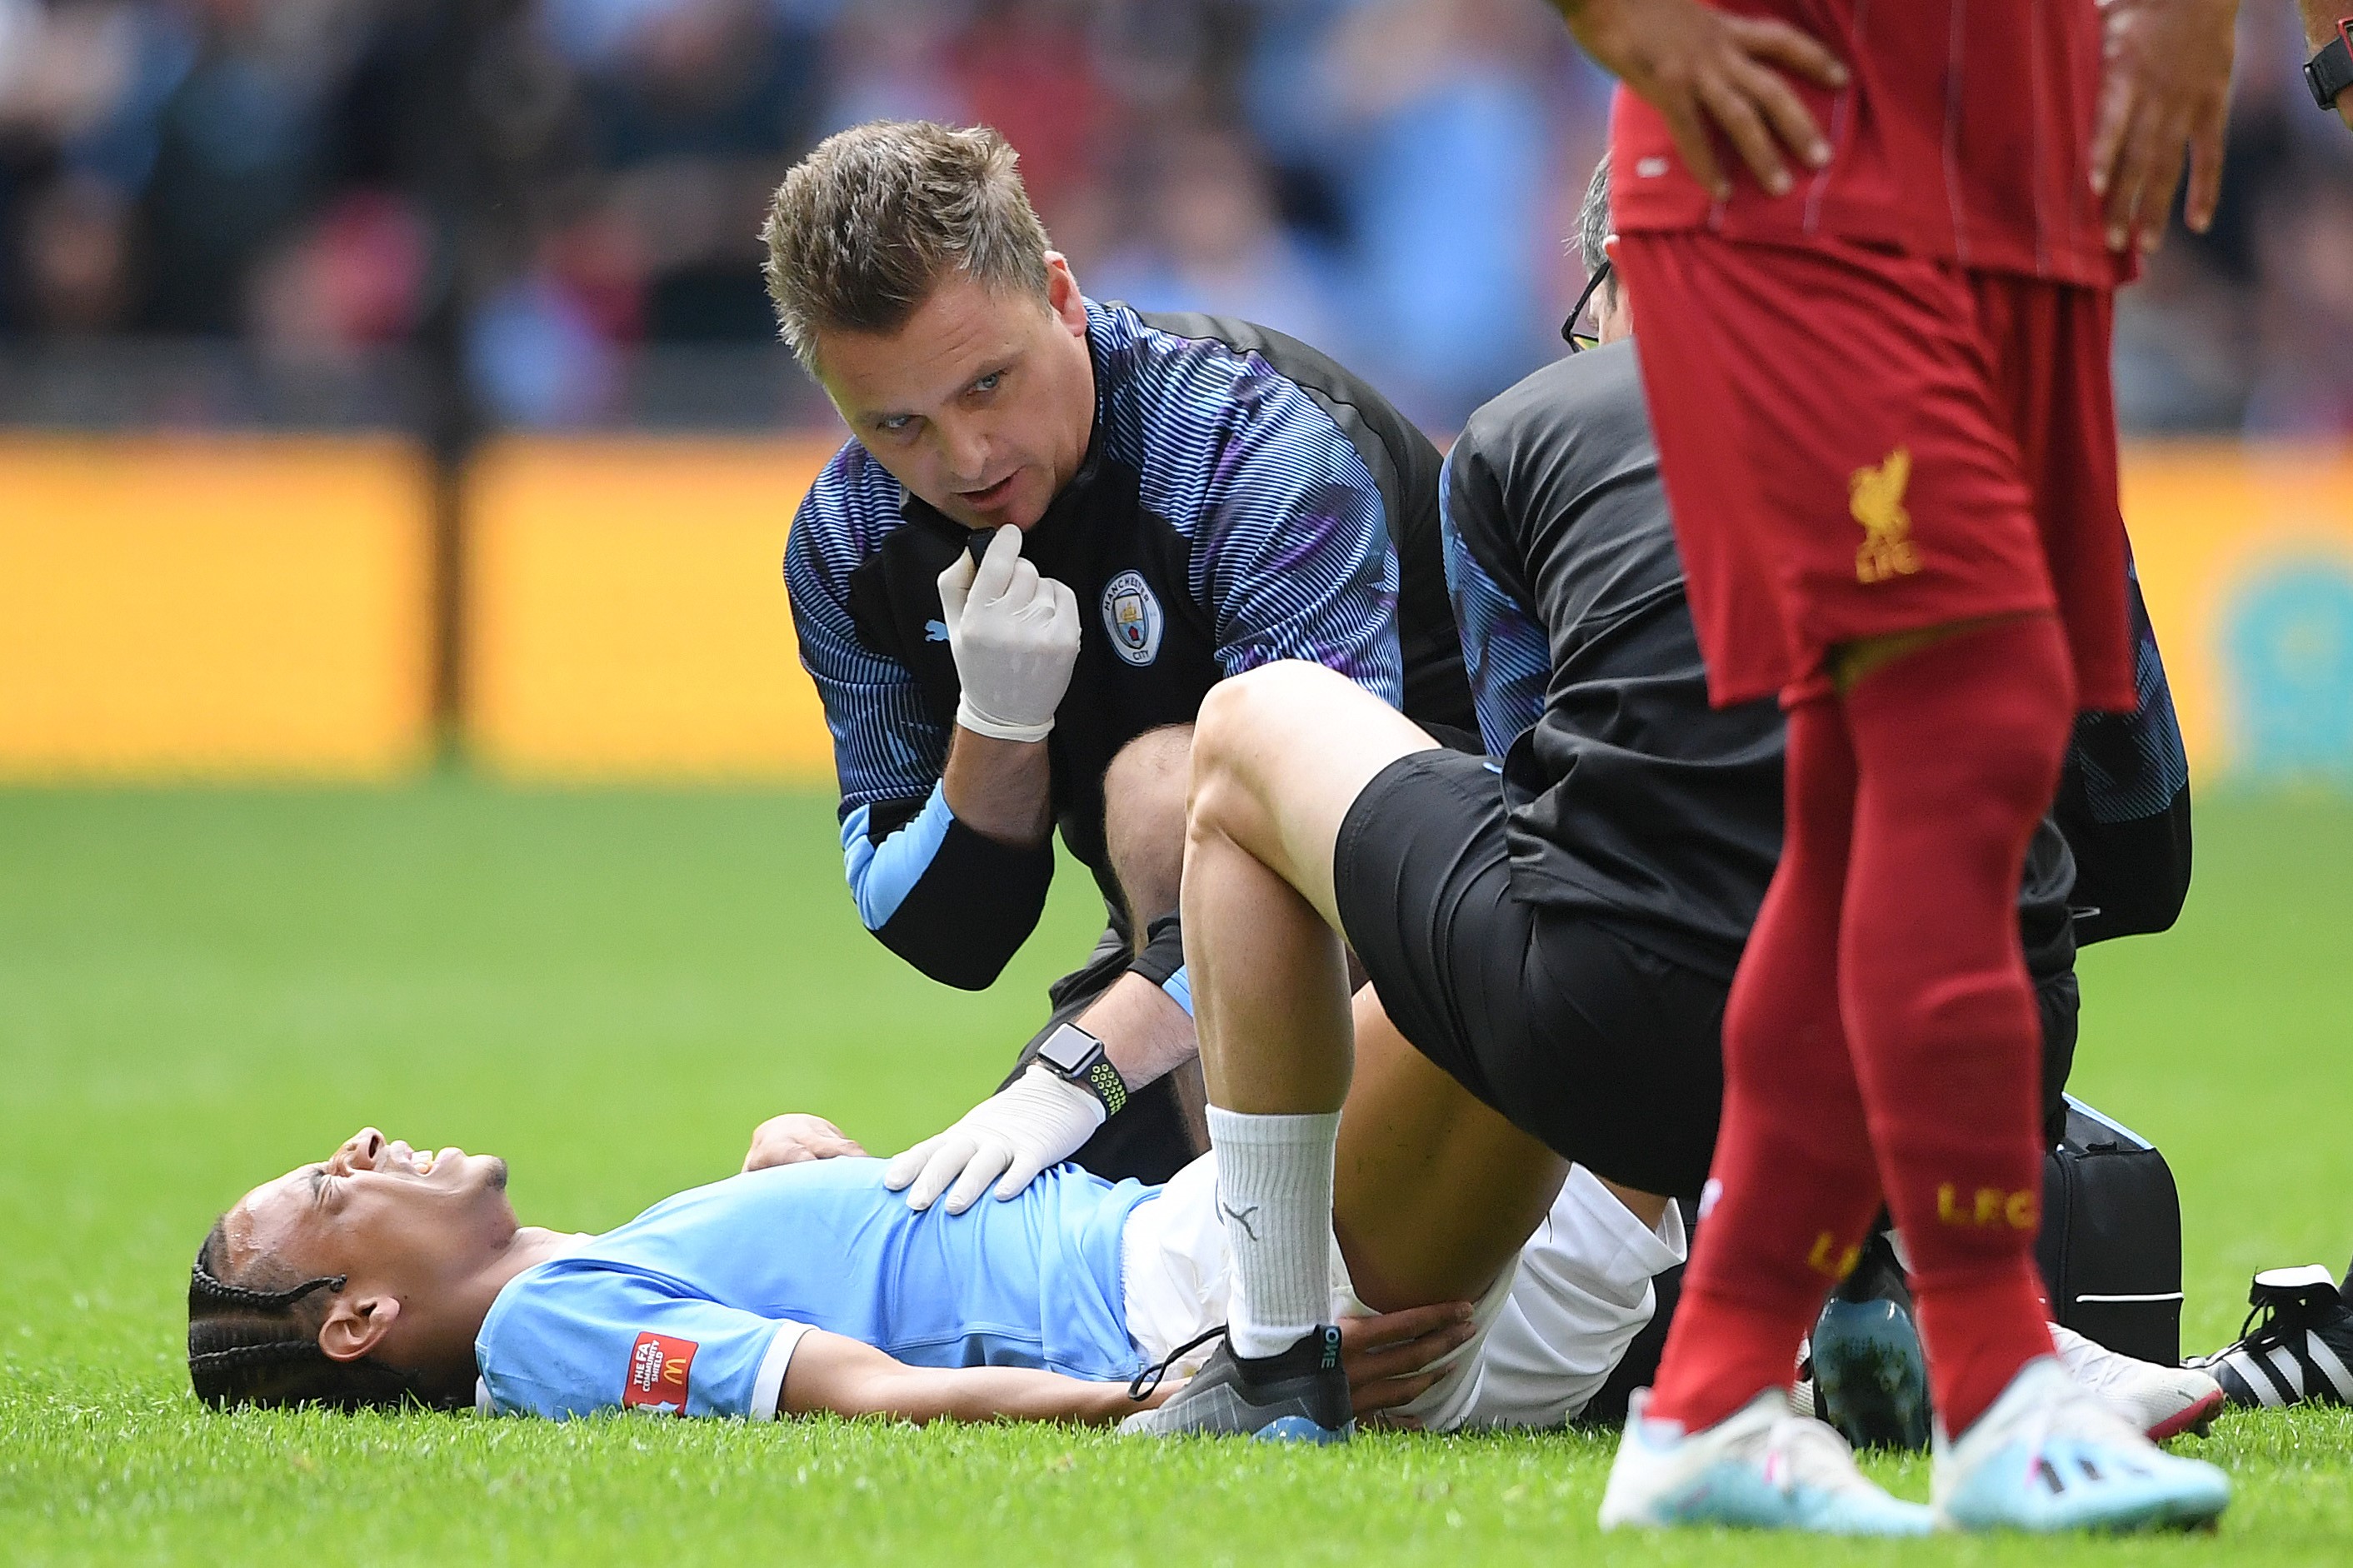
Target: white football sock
1275,1195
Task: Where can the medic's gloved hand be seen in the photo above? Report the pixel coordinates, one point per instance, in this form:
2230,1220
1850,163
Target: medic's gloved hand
1015,635
1039,1120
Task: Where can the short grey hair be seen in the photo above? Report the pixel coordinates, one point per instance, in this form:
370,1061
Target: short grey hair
1593,219
864,227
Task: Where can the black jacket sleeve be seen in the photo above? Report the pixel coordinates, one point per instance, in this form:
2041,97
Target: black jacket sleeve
2124,806
952,902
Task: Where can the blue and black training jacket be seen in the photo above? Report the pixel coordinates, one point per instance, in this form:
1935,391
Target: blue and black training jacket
1243,499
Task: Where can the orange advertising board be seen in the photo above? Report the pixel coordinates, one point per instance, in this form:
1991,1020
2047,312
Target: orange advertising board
230,608
258,607
625,611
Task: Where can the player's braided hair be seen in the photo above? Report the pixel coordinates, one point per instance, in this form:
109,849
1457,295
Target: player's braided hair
252,1345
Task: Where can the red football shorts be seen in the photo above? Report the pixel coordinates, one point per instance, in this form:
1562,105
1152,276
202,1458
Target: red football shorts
1857,442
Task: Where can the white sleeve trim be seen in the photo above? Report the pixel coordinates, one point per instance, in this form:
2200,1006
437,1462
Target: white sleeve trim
768,1387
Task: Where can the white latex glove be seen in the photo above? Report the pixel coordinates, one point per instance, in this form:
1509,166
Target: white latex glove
1039,1120
1015,635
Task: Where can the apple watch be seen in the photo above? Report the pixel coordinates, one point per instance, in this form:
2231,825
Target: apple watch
2330,71
1070,1053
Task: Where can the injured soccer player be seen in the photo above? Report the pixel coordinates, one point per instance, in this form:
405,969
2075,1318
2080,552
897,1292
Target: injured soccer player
386,1274
1557,926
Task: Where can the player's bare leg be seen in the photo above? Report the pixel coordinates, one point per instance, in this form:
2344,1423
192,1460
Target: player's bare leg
1279,755
1433,1192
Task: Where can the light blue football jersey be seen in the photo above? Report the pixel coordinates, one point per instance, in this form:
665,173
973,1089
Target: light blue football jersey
694,1307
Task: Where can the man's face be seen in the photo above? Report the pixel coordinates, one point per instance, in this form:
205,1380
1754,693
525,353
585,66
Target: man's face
981,404
398,1221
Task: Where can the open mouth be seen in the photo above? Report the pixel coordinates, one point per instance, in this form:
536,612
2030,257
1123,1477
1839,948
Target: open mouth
991,496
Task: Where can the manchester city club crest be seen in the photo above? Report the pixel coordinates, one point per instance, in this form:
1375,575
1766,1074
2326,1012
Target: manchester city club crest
1132,615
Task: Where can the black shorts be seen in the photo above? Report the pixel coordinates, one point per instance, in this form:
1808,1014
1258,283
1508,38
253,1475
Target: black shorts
1608,1052
1152,1139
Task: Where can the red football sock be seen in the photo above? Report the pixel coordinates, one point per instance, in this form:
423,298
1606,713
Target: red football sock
1793,1186
1958,748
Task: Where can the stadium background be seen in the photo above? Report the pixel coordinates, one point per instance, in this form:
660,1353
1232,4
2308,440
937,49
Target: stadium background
383,379
394,463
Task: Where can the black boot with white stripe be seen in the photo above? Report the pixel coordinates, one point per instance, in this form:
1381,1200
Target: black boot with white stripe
2300,1351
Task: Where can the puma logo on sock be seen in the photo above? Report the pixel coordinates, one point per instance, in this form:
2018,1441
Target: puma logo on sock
1240,1216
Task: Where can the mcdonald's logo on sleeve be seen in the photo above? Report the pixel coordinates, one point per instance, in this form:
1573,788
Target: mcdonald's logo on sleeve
658,1375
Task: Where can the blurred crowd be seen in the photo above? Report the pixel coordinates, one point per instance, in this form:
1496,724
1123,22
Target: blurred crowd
545,215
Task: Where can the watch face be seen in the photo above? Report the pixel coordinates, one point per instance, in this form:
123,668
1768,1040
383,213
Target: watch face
1066,1049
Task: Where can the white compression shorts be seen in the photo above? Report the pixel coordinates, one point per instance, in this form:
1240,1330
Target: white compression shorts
1550,1331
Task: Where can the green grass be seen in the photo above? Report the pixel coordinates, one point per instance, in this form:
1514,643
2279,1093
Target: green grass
200,989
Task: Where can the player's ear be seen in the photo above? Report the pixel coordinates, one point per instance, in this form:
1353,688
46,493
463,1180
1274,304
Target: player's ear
356,1325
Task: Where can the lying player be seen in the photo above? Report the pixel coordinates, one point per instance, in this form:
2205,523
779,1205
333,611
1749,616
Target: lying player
383,1274
1558,928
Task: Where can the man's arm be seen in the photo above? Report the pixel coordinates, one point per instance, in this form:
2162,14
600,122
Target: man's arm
1388,1358
1705,71
942,846
829,1372
2165,90
1145,1031
1000,789
1505,652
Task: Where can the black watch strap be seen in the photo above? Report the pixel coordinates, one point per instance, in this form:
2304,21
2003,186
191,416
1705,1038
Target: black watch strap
2330,71
1071,1053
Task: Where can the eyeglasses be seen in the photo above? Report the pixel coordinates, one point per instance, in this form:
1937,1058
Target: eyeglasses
1580,342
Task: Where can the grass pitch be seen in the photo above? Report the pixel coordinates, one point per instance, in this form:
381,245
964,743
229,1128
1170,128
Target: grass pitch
199,989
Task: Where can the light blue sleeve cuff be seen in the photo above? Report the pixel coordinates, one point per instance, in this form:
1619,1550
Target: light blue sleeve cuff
1179,988
881,875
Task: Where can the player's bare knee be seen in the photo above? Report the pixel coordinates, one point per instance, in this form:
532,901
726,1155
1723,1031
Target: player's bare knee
1252,716
1244,726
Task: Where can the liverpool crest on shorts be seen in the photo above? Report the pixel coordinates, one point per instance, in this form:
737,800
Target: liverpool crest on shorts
1132,615
1876,498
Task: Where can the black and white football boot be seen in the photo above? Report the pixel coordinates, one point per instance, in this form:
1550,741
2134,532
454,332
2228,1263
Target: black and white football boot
2296,1347
1299,1395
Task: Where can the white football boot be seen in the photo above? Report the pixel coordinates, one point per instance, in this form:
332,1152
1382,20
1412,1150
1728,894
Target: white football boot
2162,1401
2050,1454
1764,1467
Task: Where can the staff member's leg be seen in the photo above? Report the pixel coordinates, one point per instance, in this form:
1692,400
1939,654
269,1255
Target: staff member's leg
1438,1200
1290,764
